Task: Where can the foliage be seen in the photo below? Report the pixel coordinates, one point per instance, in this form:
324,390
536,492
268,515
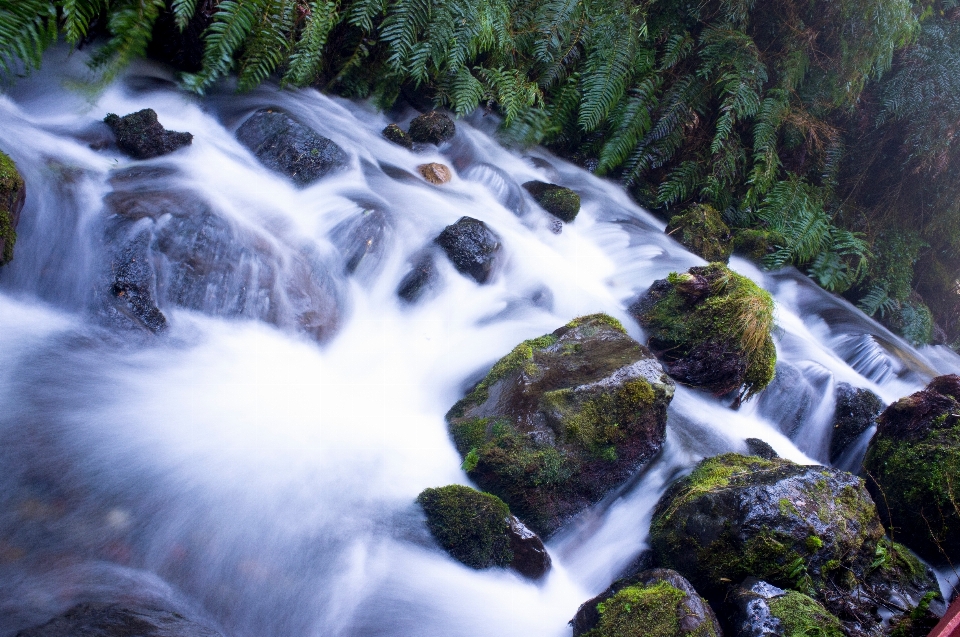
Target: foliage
641,610
803,616
471,526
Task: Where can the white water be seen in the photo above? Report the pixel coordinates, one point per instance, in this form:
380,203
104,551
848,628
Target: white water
246,473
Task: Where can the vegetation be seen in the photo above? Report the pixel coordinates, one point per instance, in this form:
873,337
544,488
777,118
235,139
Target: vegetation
803,616
11,195
830,125
472,526
641,610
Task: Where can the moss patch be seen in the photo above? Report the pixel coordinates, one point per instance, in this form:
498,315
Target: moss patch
561,202
637,610
756,244
803,616
703,232
472,526
11,192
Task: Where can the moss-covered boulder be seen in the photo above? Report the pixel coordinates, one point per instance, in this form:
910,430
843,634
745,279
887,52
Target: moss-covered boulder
562,419
856,411
808,528
398,136
654,603
562,203
13,194
142,136
712,328
701,230
432,128
764,610
477,529
756,244
914,467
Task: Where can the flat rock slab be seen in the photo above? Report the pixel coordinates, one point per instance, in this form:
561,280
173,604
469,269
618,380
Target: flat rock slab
115,620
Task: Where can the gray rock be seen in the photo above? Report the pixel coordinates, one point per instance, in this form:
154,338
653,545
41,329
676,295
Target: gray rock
432,128
752,616
473,248
856,411
117,620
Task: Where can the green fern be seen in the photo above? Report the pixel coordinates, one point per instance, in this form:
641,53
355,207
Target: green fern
232,23
27,28
183,12
77,17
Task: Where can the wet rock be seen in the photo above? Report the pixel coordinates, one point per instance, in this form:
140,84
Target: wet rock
856,411
701,230
914,467
290,148
182,48
561,202
478,530
134,285
141,136
763,610
422,277
119,620
361,241
711,327
435,173
756,244
432,128
563,419
811,529
473,248
759,448
13,194
504,189
654,602
398,136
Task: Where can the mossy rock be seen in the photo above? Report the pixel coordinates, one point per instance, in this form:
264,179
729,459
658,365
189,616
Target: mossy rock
562,203
398,136
702,231
654,603
712,327
763,609
142,136
563,419
432,128
13,193
914,467
756,244
856,411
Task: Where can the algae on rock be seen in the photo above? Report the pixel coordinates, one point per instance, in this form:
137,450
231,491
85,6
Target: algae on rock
13,193
562,419
701,230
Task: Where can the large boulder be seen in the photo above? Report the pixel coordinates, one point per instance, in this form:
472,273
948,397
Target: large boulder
711,326
142,136
562,203
13,194
913,463
473,248
658,602
478,530
856,411
701,230
432,128
563,419
763,610
119,620
290,148
808,528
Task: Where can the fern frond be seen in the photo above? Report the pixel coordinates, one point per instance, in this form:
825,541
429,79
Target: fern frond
130,26
268,44
231,25
77,16
362,13
307,54
183,12
680,183
27,28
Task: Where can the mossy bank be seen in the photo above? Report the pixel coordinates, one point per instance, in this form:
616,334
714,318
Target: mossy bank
13,193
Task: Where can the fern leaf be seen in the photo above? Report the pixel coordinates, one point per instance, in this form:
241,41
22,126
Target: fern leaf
231,25
183,12
306,57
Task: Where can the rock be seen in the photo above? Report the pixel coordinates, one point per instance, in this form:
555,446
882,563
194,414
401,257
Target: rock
712,328
808,528
504,189
856,411
756,244
432,128
290,148
657,602
763,610
913,463
561,202
701,230
118,620
759,448
563,419
134,282
435,173
13,194
473,248
361,240
398,136
422,276
478,530
141,136
919,622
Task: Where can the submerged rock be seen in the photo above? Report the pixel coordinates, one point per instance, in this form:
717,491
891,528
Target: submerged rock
118,620
423,275
141,135
13,194
432,128
701,230
473,248
856,411
712,328
478,530
808,528
563,419
398,136
561,202
435,173
914,467
763,610
657,602
290,148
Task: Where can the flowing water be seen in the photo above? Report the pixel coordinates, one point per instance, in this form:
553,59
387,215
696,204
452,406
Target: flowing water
256,463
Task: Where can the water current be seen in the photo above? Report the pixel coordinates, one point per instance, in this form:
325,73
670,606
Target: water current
256,463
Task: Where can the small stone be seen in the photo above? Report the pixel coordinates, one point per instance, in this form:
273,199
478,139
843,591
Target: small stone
141,135
561,202
432,128
473,248
398,136
435,173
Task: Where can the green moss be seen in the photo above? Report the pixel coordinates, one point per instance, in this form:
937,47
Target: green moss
803,616
814,543
471,526
701,229
651,611
11,185
756,244
605,319
469,433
